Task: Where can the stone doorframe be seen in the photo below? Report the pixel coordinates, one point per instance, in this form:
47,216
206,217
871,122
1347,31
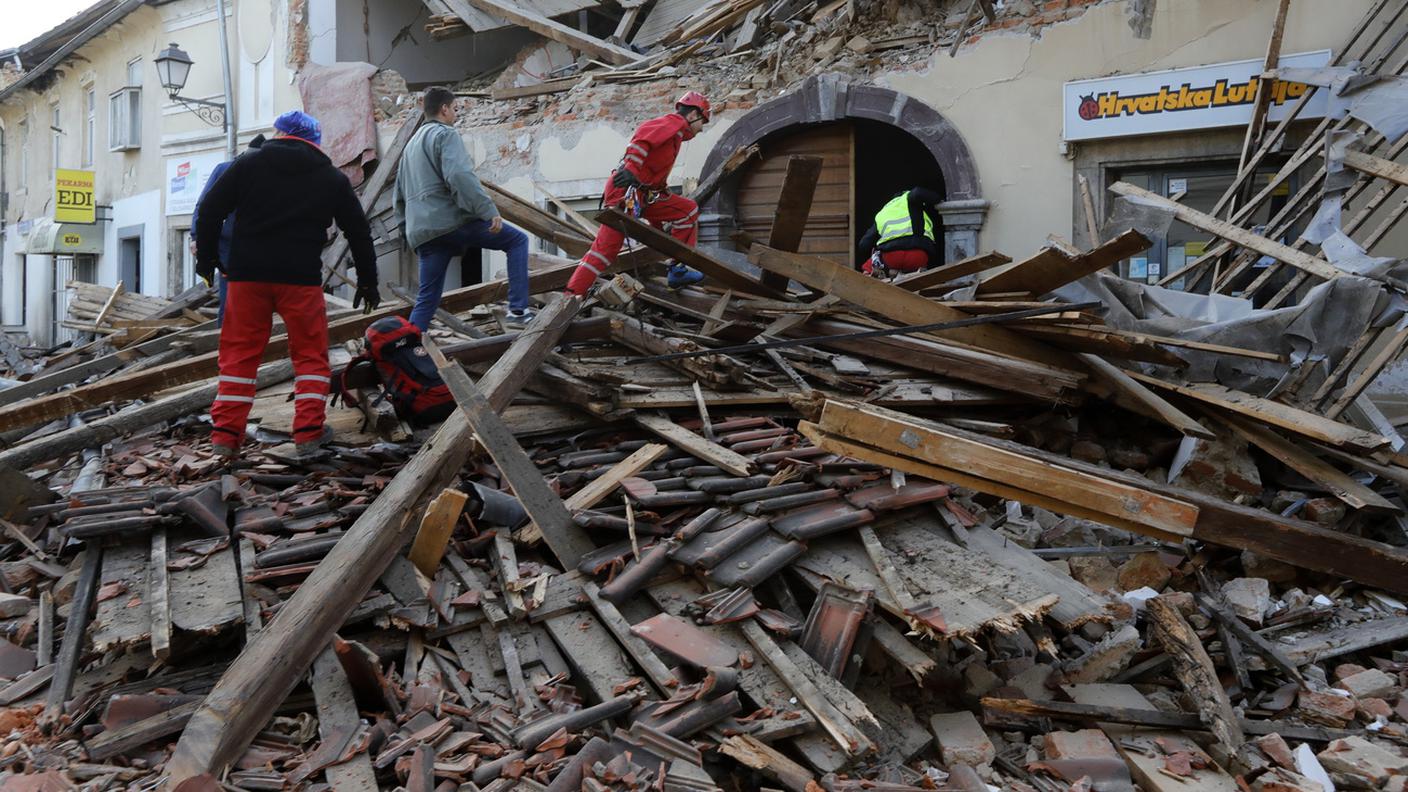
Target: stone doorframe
829,97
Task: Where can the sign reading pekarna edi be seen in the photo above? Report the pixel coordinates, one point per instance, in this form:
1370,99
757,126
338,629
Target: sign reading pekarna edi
73,196
1201,97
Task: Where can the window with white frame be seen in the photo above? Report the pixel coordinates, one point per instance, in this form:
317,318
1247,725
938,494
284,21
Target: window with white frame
55,135
125,111
90,123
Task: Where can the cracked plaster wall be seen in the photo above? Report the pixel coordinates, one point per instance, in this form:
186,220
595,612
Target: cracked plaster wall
1002,93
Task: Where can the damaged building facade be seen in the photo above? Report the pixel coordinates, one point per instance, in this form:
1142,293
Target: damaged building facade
87,97
887,107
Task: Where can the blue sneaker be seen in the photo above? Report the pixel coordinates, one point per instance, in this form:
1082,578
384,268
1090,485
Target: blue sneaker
681,276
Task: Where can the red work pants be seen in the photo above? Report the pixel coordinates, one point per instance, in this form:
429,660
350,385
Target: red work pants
249,319
674,214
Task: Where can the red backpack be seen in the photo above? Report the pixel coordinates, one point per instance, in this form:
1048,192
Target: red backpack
404,370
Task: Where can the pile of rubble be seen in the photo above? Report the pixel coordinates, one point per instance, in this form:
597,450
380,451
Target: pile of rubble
991,525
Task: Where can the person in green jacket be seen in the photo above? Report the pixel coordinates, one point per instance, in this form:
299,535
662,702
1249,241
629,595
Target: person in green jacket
446,212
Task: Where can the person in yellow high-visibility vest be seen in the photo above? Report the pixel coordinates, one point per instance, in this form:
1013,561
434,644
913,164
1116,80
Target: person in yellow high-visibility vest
903,237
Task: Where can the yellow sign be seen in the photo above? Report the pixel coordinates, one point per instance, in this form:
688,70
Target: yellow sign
73,196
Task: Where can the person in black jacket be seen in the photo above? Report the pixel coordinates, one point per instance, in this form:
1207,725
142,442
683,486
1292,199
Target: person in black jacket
903,237
286,194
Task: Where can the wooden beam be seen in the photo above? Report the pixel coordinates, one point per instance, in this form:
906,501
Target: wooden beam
542,504
75,632
1042,274
696,444
1298,422
711,183
1264,87
436,525
597,489
1195,671
1233,233
1134,716
1377,166
655,239
794,206
1369,373
1132,395
502,9
1297,542
269,667
337,711
159,595
1339,483
931,443
938,276
897,304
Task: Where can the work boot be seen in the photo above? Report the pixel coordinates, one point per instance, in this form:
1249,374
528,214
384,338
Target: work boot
519,318
310,447
224,453
681,276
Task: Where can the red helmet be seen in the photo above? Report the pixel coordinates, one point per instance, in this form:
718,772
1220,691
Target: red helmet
697,101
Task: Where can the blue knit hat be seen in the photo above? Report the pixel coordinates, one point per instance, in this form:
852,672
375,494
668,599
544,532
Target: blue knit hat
296,123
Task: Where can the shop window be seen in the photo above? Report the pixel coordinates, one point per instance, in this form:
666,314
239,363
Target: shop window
1197,187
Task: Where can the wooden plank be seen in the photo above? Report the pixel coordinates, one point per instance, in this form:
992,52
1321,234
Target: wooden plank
337,711
1296,542
1254,408
1369,373
948,273
597,489
899,305
545,27
1078,603
930,443
794,206
1234,233
695,444
1132,395
664,680
253,616
1146,767
75,632
655,239
436,525
542,504
711,183
1195,671
159,595
1042,274
207,600
841,729
595,656
123,620
1377,166
1339,483
1139,716
134,735
758,755
263,674
1264,87
1092,221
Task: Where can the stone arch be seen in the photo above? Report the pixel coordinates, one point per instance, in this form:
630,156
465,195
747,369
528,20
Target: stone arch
830,97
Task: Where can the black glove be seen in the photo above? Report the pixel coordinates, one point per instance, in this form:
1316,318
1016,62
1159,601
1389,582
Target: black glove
623,178
366,294
205,270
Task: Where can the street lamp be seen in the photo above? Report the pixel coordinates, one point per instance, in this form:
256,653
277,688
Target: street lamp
173,66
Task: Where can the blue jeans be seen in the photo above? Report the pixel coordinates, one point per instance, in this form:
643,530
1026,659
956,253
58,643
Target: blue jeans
435,258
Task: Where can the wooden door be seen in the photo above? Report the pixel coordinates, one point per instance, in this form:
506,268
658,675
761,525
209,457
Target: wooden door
831,228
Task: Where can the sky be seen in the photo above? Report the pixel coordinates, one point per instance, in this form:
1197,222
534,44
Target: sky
24,19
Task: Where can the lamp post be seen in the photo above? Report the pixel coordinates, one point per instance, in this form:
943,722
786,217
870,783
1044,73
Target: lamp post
173,66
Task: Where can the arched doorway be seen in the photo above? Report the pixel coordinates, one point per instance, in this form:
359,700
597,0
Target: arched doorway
873,143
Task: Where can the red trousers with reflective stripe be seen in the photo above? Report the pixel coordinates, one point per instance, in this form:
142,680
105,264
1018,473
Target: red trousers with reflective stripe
674,214
249,319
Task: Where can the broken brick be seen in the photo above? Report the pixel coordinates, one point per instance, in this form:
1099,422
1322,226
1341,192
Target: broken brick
1083,744
961,739
1371,683
1358,756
